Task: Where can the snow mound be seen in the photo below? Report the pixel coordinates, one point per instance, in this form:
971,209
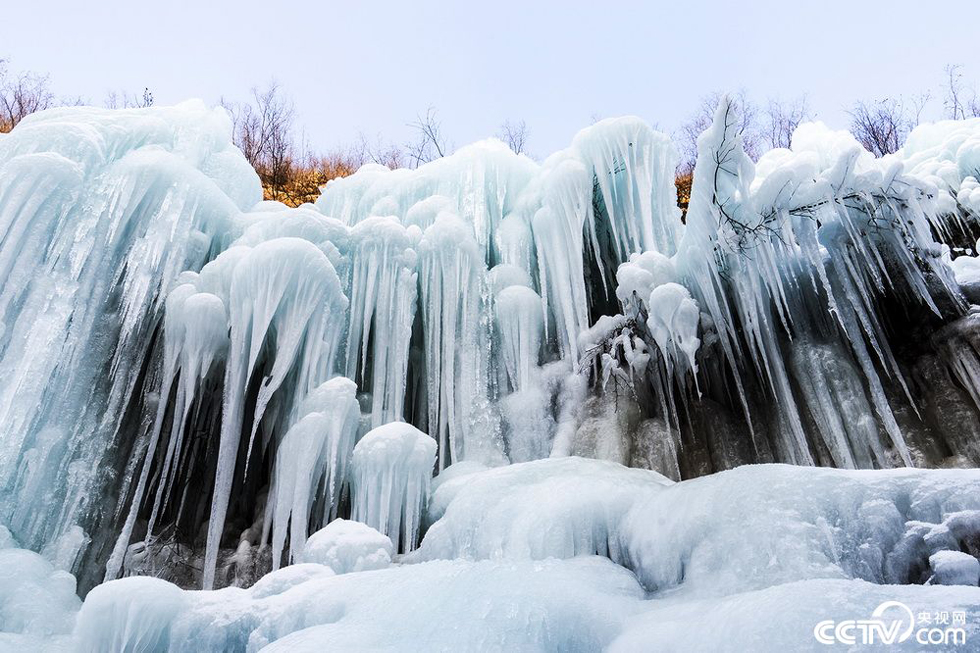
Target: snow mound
35,598
552,508
347,546
576,605
762,525
745,529
715,563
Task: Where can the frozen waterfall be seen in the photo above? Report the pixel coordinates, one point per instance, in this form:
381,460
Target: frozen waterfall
189,373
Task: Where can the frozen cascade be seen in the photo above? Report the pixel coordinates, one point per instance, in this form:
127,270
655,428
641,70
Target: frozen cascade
198,354
390,474
452,282
382,292
313,454
99,213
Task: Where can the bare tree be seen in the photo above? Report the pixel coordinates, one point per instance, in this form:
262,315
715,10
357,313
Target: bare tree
263,131
746,124
430,143
781,120
377,151
514,134
882,126
959,102
22,95
114,100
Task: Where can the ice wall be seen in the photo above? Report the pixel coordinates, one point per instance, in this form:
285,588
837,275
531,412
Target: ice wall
187,370
99,214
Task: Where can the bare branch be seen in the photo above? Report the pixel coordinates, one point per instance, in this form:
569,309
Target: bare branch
882,126
687,136
514,134
263,131
114,100
781,120
430,143
22,95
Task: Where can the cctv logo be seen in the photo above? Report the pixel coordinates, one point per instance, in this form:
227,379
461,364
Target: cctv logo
892,622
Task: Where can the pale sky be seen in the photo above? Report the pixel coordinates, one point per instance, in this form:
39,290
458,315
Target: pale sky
370,67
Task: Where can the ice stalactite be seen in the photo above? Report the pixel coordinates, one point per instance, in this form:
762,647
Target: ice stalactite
559,236
311,465
633,168
452,283
195,338
382,292
390,475
521,327
287,293
526,407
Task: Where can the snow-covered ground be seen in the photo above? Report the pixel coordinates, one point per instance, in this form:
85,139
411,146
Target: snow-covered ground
570,554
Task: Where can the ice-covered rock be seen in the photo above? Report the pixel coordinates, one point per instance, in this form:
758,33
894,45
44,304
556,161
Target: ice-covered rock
757,526
954,568
347,546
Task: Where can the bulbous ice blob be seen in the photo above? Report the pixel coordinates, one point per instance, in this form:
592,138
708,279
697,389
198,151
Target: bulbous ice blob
673,321
390,475
349,546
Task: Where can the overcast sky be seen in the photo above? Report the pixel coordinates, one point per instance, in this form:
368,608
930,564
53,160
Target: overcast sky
370,67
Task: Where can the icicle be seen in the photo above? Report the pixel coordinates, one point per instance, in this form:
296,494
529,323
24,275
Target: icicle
314,453
519,322
451,270
390,475
634,168
558,235
300,322
382,291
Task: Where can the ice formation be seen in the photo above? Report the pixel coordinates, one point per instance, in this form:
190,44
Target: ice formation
194,381
819,540
391,470
348,546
